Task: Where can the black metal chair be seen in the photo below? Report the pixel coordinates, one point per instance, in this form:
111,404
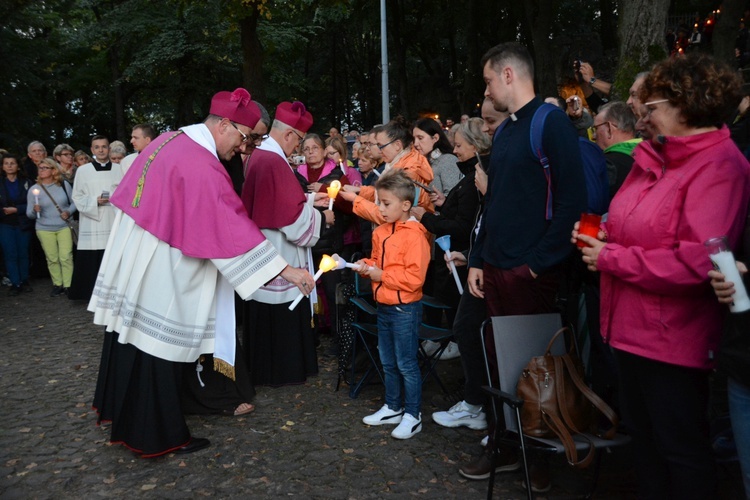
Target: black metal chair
365,325
434,333
517,339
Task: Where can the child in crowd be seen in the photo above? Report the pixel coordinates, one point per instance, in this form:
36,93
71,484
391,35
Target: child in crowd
366,165
366,168
400,255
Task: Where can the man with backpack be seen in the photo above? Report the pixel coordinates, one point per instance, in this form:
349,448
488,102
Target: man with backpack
532,202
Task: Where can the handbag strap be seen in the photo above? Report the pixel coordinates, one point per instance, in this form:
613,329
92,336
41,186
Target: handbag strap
585,390
552,340
571,453
587,393
51,198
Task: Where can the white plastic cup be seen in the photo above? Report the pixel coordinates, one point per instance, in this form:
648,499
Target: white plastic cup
723,260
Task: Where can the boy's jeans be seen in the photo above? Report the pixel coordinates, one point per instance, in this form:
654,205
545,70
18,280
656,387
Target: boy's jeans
398,342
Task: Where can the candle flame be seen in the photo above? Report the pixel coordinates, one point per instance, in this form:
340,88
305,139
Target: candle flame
327,263
333,189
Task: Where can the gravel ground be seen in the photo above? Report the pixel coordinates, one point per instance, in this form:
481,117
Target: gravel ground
302,441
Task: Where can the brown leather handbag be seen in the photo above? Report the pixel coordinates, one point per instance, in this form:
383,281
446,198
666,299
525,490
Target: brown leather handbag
557,403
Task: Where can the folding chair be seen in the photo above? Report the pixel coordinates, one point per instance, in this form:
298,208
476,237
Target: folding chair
517,339
367,330
365,324
433,333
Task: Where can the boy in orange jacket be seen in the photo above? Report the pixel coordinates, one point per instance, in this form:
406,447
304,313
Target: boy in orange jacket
400,255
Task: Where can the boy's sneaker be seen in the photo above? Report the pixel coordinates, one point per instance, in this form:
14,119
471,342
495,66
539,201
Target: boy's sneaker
384,416
451,351
460,415
408,427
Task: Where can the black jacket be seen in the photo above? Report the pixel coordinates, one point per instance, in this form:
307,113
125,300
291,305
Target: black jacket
457,215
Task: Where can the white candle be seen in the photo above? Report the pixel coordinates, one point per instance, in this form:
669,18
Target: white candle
444,242
455,273
725,262
36,200
327,263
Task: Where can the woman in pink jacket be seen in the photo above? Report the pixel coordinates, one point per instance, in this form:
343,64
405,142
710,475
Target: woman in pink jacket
689,183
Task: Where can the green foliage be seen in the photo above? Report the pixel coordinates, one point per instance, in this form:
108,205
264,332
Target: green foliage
73,68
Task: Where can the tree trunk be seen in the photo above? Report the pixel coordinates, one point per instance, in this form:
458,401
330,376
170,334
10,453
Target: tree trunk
252,56
540,15
335,120
473,84
397,39
641,33
725,30
608,33
114,65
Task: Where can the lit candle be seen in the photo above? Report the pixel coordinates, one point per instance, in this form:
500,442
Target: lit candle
326,264
333,191
35,191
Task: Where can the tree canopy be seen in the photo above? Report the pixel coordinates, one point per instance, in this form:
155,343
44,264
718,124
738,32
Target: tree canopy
73,68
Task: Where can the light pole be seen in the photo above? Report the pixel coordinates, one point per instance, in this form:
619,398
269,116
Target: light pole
384,63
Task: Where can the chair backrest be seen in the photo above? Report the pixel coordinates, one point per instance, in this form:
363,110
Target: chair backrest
517,340
362,286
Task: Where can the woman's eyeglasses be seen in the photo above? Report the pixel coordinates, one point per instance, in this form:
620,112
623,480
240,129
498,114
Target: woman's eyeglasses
651,105
381,146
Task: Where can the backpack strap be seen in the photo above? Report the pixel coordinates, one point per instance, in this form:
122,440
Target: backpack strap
500,128
537,149
65,189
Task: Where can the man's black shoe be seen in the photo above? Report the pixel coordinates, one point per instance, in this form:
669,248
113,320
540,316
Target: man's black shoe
194,445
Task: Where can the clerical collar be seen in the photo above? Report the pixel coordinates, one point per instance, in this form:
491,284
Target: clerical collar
101,168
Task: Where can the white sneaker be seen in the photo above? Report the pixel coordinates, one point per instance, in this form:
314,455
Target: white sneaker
430,347
460,415
450,352
408,427
384,416
484,441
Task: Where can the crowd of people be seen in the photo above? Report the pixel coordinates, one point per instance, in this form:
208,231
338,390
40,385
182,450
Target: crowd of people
225,223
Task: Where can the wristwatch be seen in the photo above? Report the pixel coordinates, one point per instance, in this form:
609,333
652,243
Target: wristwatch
593,79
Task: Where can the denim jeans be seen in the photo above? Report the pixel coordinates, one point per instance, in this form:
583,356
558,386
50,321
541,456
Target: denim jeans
739,409
398,341
15,244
